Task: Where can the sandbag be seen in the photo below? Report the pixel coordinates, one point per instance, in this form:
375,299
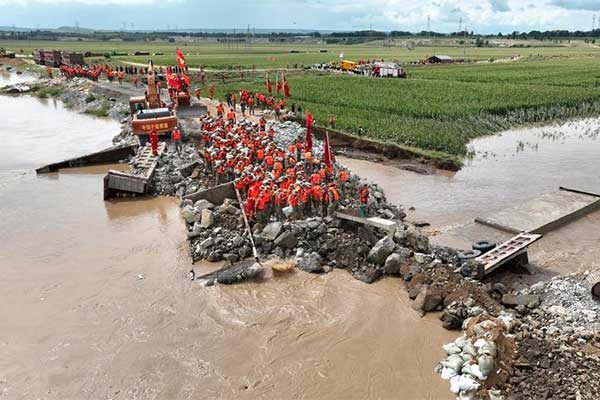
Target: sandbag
463,383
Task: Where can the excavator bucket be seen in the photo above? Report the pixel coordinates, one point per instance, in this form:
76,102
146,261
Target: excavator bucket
194,110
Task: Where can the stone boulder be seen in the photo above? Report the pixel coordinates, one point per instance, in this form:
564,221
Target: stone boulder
451,321
368,274
203,204
272,230
380,252
513,300
286,240
399,258
189,215
208,218
427,300
310,263
417,241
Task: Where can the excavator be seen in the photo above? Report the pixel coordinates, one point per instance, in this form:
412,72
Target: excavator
149,113
178,86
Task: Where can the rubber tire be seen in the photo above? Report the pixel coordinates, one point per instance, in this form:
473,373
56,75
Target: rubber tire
484,246
468,255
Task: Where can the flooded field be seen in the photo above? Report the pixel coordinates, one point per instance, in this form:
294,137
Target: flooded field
95,302
514,166
507,169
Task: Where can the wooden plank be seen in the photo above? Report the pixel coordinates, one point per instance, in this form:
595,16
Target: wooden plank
507,251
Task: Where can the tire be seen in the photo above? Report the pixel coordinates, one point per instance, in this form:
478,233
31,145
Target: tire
484,246
468,255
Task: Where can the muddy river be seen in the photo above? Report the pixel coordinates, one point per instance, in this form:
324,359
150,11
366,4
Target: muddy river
95,301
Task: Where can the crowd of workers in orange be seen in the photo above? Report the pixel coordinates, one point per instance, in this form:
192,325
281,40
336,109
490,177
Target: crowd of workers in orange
280,183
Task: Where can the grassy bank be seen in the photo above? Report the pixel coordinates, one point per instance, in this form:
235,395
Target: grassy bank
47,91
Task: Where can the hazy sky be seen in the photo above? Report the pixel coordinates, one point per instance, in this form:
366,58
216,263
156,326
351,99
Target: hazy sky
484,16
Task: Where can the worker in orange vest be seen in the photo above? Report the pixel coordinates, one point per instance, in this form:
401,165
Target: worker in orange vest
293,200
308,162
211,92
49,70
343,178
176,138
363,197
317,198
333,199
153,136
231,116
220,110
135,80
198,93
332,121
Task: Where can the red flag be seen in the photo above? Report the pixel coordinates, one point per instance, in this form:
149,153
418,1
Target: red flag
328,156
186,79
171,81
286,89
269,88
309,123
278,86
180,58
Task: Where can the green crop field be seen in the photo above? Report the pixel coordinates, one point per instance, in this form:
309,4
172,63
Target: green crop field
439,108
262,56
443,107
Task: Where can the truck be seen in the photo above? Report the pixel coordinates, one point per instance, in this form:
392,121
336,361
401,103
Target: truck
346,65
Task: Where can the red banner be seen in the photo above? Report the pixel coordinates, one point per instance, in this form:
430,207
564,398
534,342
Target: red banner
180,58
269,87
309,123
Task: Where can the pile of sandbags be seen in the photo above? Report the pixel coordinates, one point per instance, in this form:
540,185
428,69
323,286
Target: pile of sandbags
474,357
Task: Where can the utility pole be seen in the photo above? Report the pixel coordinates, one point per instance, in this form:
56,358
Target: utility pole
465,46
460,24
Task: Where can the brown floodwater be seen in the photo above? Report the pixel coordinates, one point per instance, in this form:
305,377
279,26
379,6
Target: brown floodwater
509,168
95,302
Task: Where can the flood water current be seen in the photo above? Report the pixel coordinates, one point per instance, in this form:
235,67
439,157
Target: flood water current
95,302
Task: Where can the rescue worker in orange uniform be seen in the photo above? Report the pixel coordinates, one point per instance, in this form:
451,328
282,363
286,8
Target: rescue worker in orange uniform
317,198
363,197
211,92
198,93
176,138
333,199
153,136
220,110
135,81
293,201
231,116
